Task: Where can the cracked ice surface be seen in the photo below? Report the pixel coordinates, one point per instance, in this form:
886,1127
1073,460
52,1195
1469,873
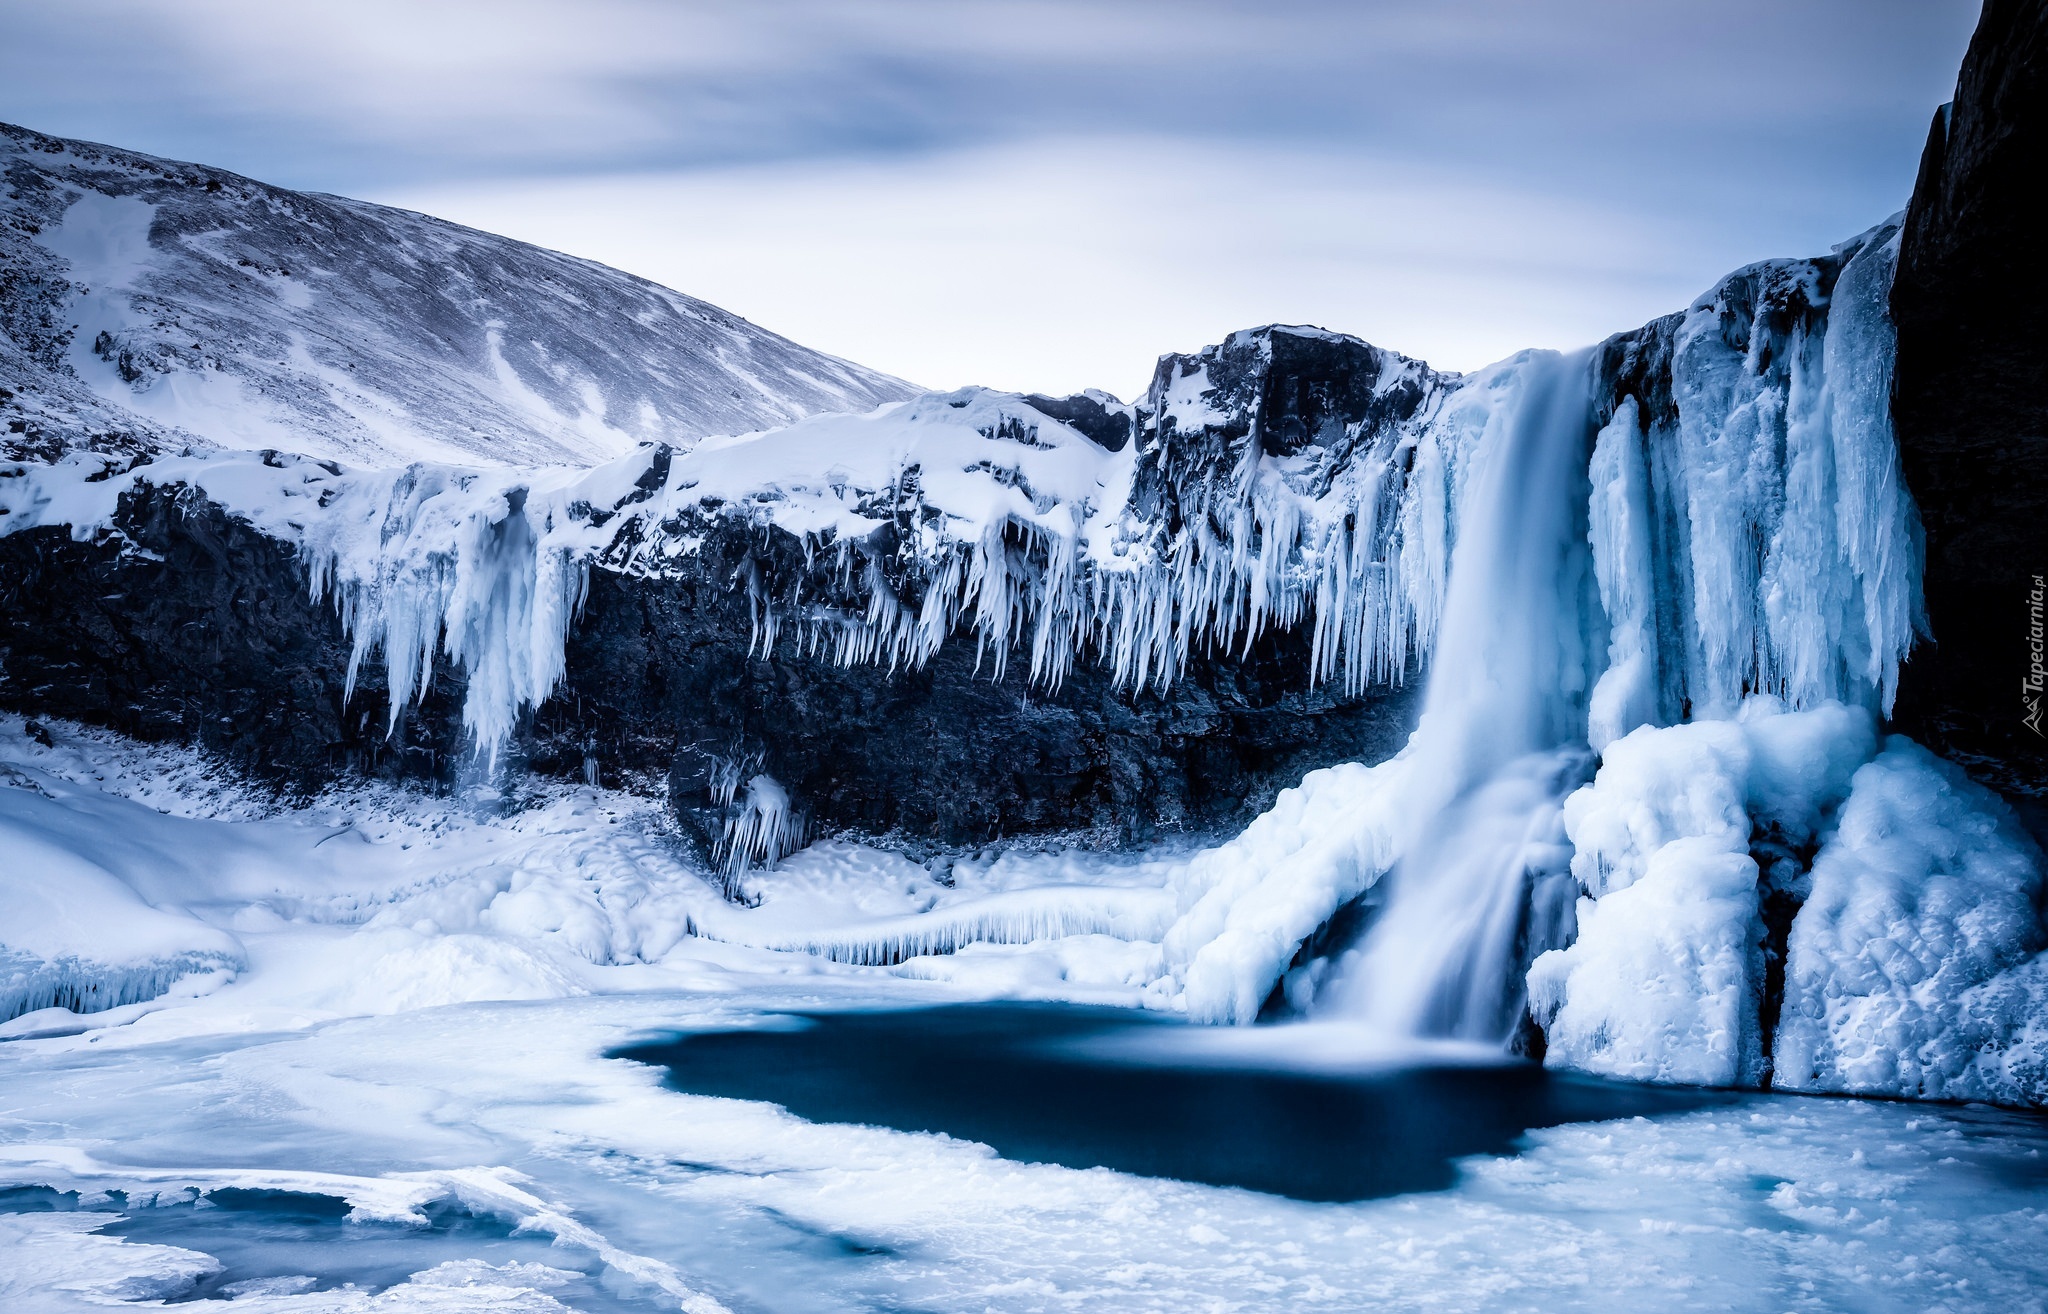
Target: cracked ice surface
1774,1204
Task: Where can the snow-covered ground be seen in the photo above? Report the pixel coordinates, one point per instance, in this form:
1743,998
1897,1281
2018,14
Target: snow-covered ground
131,868
408,1002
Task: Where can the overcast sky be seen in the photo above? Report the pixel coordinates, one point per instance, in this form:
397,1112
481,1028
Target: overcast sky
1046,194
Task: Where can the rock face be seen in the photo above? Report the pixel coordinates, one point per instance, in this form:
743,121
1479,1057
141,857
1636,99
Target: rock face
196,628
187,623
1971,407
191,626
660,671
943,752
150,304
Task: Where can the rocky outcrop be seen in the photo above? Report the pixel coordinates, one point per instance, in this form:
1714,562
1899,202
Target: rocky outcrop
1971,408
187,623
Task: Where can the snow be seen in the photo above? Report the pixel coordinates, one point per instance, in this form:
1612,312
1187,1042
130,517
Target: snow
1914,964
59,1262
207,310
137,874
75,931
361,1056
1246,905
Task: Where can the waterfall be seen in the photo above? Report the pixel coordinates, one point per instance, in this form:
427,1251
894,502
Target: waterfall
1501,736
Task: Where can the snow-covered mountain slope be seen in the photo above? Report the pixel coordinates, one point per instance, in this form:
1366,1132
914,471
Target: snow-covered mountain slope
148,304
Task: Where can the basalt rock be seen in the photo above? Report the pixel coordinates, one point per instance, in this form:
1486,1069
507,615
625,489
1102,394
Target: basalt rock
188,625
1971,407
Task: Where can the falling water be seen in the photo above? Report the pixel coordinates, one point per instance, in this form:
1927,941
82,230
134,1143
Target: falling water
1501,737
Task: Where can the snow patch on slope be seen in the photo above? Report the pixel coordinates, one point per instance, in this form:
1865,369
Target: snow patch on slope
160,305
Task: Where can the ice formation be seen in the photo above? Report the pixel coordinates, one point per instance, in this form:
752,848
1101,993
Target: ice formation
1014,917
1698,531
1665,980
1718,607
1914,966
78,928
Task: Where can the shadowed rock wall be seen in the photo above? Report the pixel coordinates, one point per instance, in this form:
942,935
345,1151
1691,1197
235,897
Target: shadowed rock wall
1971,405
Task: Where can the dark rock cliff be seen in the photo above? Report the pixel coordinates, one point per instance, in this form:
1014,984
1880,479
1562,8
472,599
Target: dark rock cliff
190,625
1971,405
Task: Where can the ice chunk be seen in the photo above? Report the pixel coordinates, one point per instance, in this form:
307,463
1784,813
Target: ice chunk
1665,981
1913,968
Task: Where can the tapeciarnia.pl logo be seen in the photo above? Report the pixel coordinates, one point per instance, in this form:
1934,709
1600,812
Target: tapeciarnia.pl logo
2037,675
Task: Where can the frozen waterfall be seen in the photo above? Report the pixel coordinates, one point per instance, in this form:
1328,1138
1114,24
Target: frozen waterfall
1680,583
1494,751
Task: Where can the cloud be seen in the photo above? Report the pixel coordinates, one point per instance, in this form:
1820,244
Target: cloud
1450,176
1063,264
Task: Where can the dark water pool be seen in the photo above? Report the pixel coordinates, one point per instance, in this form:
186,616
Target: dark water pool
1058,1084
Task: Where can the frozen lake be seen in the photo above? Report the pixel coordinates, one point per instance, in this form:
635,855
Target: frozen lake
491,1156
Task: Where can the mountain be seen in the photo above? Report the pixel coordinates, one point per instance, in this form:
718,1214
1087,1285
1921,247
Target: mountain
150,305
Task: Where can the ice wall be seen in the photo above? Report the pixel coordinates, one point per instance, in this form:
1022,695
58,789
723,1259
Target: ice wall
1747,537
1912,963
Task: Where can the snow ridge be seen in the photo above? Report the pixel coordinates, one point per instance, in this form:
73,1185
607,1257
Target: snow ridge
153,305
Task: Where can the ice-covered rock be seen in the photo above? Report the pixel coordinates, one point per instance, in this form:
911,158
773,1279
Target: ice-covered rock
1666,980
1914,966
